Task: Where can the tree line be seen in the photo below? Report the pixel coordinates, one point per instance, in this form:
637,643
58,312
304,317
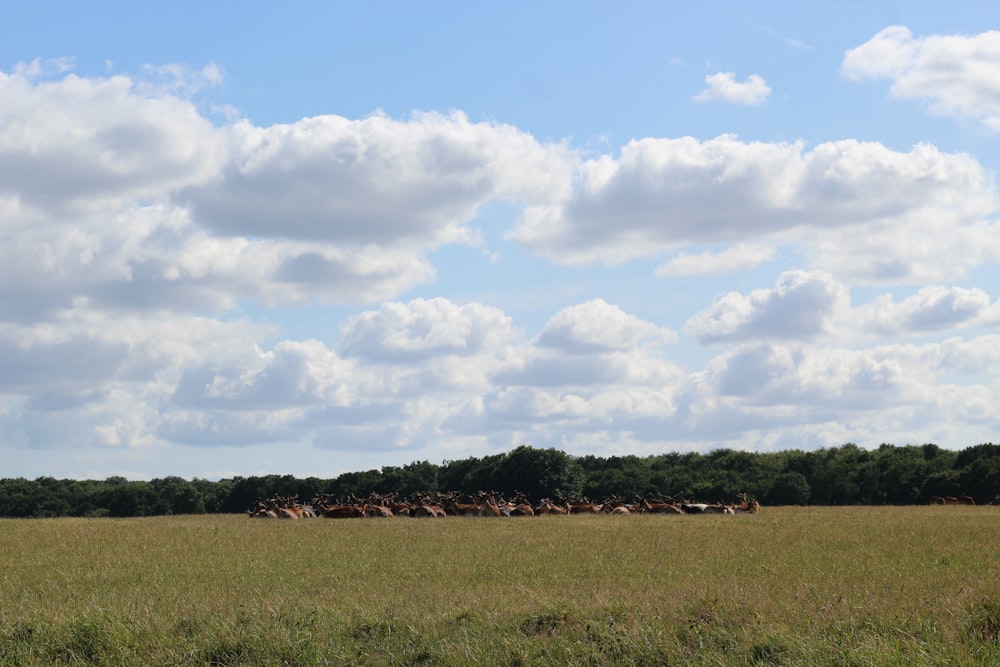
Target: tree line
845,475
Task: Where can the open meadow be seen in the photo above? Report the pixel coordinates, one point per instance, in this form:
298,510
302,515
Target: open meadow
804,585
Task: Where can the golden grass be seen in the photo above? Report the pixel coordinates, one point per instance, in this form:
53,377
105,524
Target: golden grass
829,586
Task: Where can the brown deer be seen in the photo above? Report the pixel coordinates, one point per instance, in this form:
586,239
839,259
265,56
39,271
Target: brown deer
659,507
583,506
546,506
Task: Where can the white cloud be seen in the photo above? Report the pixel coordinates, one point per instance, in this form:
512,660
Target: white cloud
41,67
95,170
106,379
597,326
85,350
789,41
723,86
376,180
980,355
956,75
893,393
433,327
814,306
740,257
299,373
433,370
179,79
934,308
802,306
77,146
840,202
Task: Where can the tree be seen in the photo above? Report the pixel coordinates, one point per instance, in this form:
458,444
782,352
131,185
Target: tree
982,479
420,476
902,471
18,497
789,488
215,494
985,451
538,473
944,483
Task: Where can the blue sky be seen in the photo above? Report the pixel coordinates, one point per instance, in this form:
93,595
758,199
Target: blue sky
308,238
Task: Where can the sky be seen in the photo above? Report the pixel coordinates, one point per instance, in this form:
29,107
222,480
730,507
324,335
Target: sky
309,238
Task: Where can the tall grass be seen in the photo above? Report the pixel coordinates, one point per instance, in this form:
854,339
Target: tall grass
819,586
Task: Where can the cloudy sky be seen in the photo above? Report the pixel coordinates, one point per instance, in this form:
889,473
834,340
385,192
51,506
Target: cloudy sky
244,238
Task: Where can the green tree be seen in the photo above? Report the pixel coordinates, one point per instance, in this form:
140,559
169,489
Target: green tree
215,495
18,497
902,471
969,455
539,473
455,475
420,476
981,479
789,488
944,483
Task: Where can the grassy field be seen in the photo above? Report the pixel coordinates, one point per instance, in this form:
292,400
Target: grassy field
795,586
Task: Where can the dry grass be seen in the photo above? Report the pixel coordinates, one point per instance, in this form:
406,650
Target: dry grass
825,586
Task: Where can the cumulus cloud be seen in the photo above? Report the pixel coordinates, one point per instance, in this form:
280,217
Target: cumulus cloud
425,327
116,191
592,363
597,326
934,308
839,201
97,380
802,306
299,373
819,378
375,180
815,306
724,87
77,145
432,369
409,370
825,396
954,75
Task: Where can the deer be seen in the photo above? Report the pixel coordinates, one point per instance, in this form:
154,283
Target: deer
582,507
546,506
659,507
518,507
261,511
331,510
488,505
377,506
423,507
451,506
747,506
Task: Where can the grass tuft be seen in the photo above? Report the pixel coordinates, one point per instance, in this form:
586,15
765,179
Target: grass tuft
543,623
985,622
84,640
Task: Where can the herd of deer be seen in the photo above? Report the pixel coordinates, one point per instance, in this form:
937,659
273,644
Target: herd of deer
953,500
960,500
482,504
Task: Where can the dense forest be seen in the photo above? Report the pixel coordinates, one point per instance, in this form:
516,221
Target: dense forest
845,475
